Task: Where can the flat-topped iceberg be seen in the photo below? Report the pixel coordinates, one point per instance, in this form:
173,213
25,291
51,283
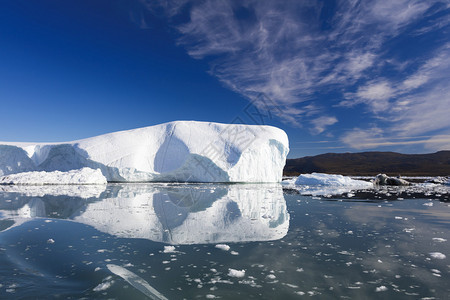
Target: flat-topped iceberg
176,151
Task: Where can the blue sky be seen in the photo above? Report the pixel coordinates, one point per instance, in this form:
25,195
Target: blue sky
337,76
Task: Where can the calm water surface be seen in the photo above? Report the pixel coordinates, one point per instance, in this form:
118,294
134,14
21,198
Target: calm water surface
204,241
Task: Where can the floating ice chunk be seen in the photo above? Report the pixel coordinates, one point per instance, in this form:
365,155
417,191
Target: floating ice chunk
103,286
439,240
176,151
81,176
271,276
169,249
224,247
437,255
236,273
428,204
50,241
381,288
234,253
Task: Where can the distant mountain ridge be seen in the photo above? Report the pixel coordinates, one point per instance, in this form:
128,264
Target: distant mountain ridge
372,163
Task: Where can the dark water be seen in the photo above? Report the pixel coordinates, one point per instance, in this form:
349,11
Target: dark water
114,243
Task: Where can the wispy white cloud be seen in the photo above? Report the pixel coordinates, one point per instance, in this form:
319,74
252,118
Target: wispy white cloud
361,139
296,56
322,122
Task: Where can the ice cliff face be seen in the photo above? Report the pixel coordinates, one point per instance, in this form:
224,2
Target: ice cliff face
176,151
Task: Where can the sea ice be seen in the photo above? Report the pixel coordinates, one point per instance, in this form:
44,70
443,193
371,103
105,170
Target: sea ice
169,249
439,240
437,255
103,286
176,151
236,273
381,288
224,247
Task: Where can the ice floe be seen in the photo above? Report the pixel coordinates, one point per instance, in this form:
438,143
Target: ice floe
236,273
437,255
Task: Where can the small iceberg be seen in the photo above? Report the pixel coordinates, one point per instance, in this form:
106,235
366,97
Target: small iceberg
320,184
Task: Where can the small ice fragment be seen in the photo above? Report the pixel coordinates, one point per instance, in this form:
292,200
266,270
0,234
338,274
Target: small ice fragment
209,296
234,253
437,255
97,269
271,276
103,286
439,240
428,204
300,293
169,249
223,247
236,273
50,241
299,270
381,288
398,218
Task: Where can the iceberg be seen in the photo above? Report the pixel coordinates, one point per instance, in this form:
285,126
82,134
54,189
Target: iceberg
81,176
320,184
180,151
330,180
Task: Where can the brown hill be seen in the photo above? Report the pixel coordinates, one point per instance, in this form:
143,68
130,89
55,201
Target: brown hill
372,163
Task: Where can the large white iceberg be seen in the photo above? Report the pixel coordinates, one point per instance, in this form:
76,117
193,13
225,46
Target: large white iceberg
176,151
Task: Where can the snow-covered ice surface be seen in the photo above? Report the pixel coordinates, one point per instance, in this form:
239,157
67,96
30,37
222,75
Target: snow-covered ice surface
224,241
320,184
177,151
72,177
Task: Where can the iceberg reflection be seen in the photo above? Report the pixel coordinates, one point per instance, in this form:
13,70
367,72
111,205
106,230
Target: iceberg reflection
169,213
